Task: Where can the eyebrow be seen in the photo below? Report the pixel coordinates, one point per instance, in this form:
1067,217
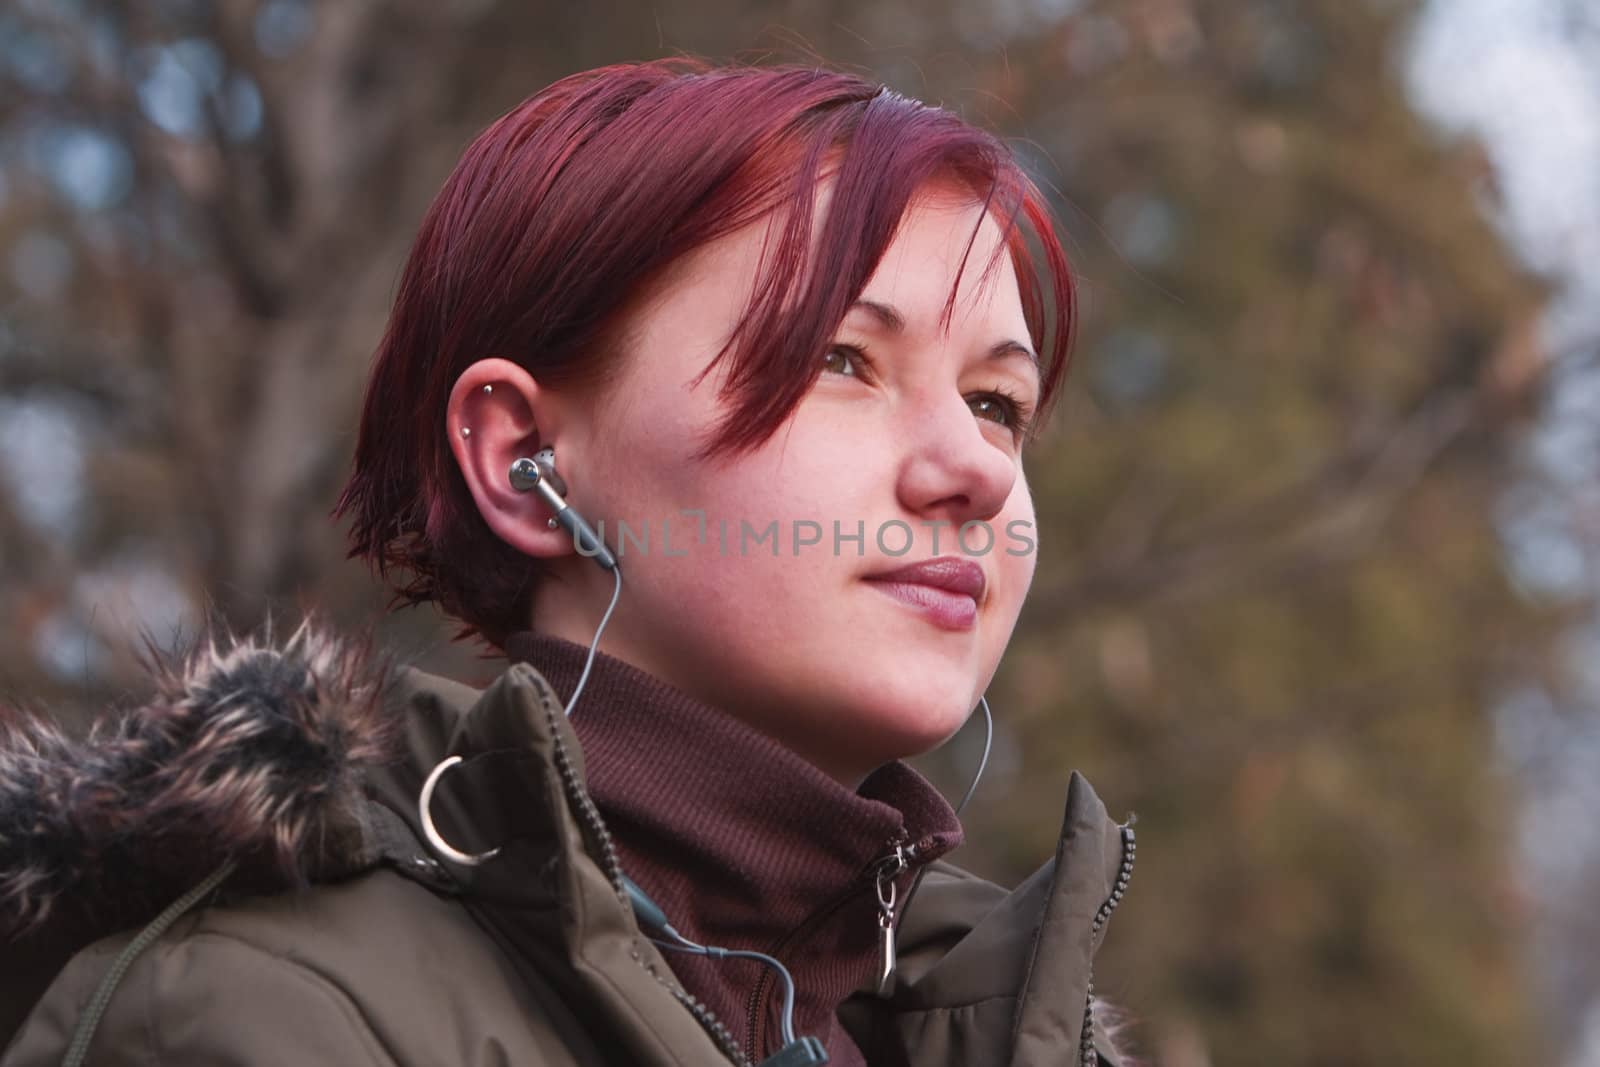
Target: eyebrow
893,321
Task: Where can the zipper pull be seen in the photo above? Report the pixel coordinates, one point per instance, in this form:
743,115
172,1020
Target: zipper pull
886,945
887,896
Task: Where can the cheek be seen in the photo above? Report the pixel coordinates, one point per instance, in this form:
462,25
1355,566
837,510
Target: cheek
802,472
714,567
647,444
1016,547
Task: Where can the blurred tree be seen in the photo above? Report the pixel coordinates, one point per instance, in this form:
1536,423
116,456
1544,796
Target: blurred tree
1274,613
1270,613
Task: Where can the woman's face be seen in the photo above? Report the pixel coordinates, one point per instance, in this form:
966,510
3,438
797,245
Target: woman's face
808,644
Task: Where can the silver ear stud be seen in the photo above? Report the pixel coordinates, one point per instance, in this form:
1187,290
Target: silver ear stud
466,431
488,389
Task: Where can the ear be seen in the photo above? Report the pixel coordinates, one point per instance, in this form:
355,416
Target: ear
498,414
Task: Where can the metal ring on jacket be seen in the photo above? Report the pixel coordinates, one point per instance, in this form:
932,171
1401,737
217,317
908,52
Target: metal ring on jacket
440,845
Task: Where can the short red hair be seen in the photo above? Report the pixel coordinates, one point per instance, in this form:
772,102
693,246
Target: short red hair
588,190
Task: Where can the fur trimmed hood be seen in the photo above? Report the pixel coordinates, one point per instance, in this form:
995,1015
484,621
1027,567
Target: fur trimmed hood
248,751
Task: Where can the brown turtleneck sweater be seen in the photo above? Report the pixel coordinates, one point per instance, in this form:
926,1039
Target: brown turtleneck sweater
743,843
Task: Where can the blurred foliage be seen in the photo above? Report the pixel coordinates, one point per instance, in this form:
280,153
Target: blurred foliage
1271,612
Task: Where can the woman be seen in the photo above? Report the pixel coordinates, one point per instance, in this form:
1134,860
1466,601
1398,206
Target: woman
703,399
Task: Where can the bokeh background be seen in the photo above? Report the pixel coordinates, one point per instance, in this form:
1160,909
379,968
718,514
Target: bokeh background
1318,593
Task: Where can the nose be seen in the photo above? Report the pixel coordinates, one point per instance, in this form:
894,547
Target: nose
950,469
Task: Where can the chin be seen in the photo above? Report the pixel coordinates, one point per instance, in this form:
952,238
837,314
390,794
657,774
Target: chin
918,728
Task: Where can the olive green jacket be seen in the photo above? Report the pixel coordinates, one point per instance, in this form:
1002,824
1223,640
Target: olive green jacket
339,939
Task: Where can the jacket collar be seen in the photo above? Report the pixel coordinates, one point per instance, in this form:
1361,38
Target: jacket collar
551,894
744,843
1007,976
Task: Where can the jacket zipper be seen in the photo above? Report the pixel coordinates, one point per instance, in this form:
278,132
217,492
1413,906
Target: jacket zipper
579,797
1087,1056
900,854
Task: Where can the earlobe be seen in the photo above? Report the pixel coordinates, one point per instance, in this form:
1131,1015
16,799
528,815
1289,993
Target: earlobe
497,413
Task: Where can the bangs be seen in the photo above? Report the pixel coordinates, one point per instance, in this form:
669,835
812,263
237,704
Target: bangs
880,159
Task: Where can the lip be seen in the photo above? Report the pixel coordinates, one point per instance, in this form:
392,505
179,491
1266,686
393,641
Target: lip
946,590
951,573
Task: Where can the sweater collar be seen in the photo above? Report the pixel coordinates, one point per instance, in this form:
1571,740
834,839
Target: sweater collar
744,843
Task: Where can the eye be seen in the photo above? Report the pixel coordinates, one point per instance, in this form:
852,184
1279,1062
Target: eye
1005,408
846,360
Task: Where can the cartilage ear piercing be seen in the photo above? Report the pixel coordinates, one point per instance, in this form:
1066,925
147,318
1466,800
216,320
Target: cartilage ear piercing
466,431
488,389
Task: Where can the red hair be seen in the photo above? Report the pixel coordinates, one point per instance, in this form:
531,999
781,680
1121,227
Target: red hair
588,190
